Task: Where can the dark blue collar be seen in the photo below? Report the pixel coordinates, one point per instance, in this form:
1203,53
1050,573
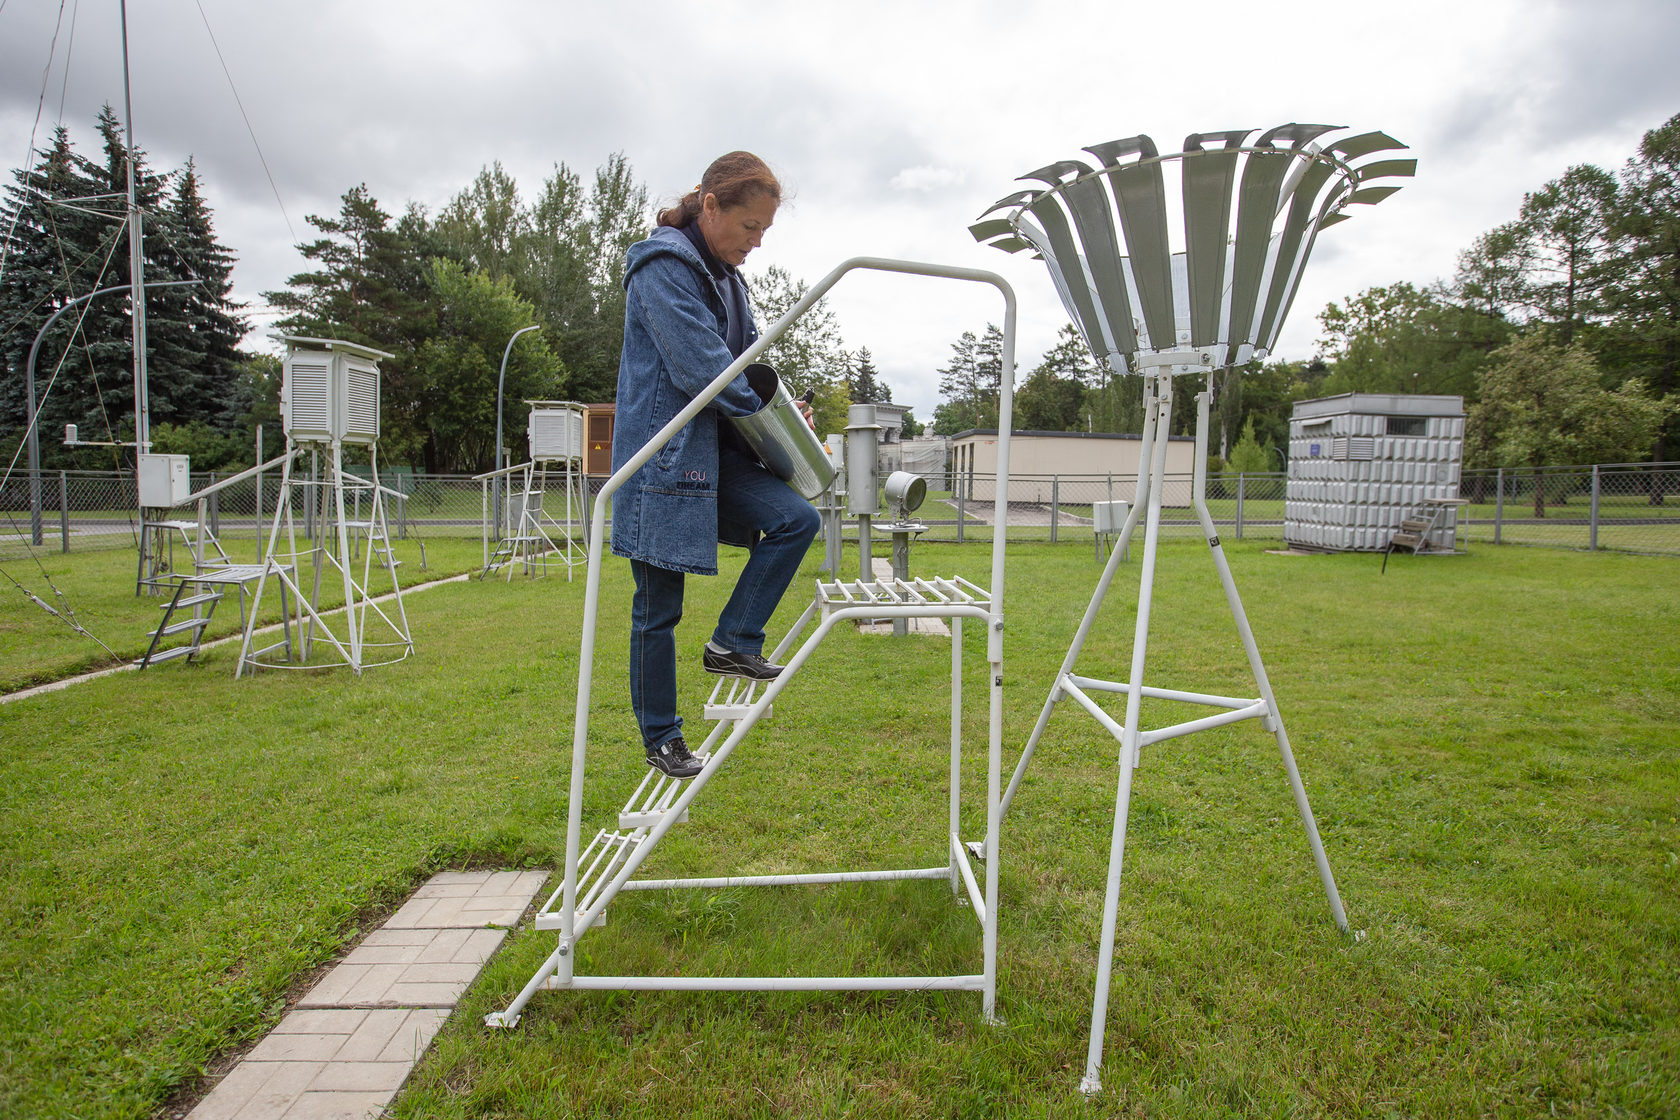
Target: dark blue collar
717,268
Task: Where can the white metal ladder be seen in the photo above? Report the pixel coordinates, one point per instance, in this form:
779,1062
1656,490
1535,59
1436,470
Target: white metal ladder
594,875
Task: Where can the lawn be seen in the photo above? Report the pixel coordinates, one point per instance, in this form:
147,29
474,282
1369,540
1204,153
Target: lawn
1490,742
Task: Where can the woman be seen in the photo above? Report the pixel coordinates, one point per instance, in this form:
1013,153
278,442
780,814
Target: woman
686,318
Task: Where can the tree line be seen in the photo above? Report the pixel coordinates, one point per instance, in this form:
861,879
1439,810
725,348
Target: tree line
1560,329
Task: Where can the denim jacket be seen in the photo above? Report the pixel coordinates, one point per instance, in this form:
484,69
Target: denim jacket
674,329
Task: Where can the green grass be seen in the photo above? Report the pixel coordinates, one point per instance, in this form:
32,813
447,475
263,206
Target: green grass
98,589
1490,743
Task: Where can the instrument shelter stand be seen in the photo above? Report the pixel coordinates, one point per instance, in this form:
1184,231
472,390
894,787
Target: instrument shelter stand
332,526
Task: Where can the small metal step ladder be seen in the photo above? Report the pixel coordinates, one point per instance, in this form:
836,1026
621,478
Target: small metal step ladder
200,593
1422,532
528,546
199,539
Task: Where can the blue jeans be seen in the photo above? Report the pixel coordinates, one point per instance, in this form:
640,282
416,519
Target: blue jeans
750,496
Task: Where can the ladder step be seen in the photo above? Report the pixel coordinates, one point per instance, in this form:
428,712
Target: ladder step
183,627
647,818
1407,540
169,654
195,600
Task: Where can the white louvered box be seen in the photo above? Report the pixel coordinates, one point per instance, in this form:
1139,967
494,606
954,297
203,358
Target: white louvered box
329,391
1359,463
555,430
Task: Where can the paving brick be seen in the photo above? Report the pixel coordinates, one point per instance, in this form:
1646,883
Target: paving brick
297,1048
337,1106
374,1034
411,1040
334,986
424,995
439,972
385,935
361,1077
257,1091
371,987
335,1020
384,954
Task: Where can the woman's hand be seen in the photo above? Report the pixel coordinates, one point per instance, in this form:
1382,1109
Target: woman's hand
805,411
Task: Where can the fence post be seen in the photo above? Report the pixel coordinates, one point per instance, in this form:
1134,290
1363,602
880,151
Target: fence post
1242,478
258,487
215,510
64,510
1592,519
962,516
1055,504
1498,503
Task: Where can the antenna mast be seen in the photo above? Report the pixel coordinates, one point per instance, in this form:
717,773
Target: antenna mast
136,269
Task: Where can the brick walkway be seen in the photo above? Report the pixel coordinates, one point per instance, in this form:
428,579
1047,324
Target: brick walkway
347,1047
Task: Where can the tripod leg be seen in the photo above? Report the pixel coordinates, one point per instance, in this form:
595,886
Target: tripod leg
1092,1081
1252,649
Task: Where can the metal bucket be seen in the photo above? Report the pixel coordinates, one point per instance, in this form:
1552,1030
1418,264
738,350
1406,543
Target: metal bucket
782,438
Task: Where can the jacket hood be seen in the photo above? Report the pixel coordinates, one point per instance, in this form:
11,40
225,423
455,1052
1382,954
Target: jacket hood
665,239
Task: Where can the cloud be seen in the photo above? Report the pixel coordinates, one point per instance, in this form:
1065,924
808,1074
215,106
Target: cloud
927,179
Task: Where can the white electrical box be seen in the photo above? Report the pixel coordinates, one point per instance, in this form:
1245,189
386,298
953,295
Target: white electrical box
329,391
164,481
555,430
1108,517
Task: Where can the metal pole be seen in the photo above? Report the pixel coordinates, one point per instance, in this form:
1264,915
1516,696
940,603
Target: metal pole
1498,504
1055,504
1241,478
64,511
1592,532
259,495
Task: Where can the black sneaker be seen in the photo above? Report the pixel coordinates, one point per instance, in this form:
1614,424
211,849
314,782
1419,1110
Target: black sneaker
748,666
674,758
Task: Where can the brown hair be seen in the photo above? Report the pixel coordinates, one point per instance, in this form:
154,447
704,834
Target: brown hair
735,179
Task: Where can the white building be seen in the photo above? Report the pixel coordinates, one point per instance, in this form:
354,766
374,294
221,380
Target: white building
1038,459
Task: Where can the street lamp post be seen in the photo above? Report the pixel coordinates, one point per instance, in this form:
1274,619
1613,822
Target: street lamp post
500,378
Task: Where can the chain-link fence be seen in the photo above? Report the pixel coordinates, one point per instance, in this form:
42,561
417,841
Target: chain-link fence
1632,508
1627,507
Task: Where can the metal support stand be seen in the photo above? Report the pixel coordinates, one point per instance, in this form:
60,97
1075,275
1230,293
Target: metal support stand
330,548
527,535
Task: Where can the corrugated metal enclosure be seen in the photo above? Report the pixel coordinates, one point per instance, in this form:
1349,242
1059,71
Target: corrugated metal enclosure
1360,463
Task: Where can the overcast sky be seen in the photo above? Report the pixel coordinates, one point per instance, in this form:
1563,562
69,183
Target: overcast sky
893,124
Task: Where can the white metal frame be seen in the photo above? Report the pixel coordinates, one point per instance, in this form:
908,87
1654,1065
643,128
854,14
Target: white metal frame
528,542
594,875
332,524
1132,738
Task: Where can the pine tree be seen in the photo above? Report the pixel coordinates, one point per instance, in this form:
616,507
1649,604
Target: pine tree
864,382
193,331
55,253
